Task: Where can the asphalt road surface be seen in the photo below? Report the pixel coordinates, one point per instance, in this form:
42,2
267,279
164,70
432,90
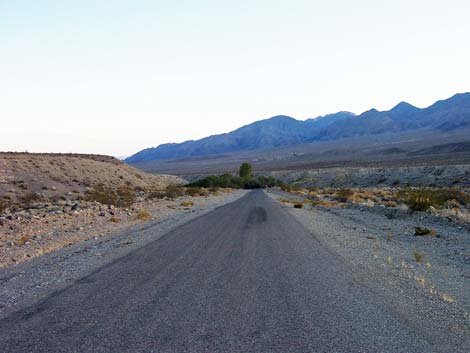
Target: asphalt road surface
245,278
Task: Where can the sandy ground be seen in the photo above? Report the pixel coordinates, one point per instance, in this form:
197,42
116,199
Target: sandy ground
431,294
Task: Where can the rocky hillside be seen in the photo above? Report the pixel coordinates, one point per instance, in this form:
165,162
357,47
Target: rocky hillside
444,116
25,176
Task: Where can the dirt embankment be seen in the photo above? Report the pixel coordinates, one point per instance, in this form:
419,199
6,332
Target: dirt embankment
26,176
48,201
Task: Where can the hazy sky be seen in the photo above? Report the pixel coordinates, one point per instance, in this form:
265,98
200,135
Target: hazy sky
117,76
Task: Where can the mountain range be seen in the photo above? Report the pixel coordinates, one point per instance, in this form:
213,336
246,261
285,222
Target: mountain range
443,116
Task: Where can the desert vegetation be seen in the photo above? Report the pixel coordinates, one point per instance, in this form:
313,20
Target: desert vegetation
244,180
122,196
452,202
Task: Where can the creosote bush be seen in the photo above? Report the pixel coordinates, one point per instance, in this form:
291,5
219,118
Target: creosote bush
122,196
344,195
421,231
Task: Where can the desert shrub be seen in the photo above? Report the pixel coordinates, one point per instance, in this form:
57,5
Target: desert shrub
24,239
123,196
234,182
252,184
286,187
28,199
194,191
143,215
422,198
4,205
187,204
421,231
344,195
174,191
298,205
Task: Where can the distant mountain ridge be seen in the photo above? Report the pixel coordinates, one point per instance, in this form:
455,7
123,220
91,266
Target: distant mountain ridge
278,131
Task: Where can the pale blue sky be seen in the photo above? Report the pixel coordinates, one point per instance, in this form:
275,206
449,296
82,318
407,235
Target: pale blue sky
117,76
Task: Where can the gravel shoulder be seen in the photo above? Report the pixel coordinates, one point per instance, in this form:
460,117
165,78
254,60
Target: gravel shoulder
28,282
432,295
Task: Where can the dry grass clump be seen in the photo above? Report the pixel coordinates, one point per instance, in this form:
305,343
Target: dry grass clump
114,219
447,298
419,257
24,239
143,215
187,204
122,196
344,195
421,199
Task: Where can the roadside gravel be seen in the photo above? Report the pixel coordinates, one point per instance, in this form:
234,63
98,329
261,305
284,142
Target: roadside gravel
432,295
26,283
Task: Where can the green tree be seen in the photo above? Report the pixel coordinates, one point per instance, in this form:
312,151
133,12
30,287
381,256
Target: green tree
245,171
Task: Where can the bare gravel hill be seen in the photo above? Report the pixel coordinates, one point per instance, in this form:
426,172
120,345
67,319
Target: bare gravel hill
47,176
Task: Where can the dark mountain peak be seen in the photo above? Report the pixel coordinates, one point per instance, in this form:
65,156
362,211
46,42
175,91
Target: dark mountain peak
404,107
458,100
341,114
280,118
369,113
275,121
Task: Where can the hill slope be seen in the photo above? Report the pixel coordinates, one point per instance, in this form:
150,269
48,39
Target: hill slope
69,175
443,116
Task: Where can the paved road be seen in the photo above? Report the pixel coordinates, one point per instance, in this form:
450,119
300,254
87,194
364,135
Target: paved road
245,278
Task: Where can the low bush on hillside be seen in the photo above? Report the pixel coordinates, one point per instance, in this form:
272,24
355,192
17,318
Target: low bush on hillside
170,192
28,199
196,191
422,198
122,196
3,205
